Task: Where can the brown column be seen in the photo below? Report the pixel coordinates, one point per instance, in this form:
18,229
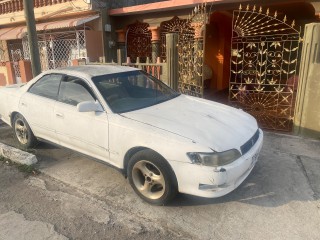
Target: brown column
75,62
121,36
11,75
155,40
25,70
3,80
121,41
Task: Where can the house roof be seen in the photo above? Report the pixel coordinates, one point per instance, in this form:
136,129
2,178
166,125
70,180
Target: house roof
18,32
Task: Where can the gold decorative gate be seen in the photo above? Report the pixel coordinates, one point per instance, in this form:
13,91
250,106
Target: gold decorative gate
190,53
264,60
175,25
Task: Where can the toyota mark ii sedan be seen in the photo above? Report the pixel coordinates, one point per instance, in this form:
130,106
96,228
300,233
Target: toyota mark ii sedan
164,142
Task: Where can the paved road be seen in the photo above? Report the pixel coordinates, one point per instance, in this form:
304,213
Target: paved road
279,200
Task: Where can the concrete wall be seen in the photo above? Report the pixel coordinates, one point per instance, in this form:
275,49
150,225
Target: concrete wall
307,112
94,45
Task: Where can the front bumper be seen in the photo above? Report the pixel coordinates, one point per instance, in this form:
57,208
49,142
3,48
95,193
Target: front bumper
213,182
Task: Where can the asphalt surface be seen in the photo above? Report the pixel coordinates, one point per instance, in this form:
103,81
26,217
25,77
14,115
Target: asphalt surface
279,200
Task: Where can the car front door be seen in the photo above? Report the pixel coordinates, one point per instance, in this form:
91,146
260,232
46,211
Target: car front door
86,132
37,106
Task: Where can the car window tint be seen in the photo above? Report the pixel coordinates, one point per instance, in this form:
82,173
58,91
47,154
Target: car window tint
132,90
74,90
47,86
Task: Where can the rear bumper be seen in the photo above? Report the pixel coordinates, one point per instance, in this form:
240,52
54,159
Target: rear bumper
213,182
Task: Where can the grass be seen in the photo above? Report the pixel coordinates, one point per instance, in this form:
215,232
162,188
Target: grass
29,170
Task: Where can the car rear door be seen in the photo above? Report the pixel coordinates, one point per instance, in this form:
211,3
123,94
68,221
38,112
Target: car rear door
37,106
86,132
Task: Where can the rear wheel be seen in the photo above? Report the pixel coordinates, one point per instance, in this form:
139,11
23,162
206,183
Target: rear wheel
151,177
23,133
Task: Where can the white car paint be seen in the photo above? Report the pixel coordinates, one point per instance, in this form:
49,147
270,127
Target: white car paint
173,128
205,122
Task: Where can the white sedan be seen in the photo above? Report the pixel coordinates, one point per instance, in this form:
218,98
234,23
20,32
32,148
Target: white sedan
164,142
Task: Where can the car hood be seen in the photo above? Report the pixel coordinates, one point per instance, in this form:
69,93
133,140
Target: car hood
208,123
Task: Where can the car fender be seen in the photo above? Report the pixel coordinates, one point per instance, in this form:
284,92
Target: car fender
132,134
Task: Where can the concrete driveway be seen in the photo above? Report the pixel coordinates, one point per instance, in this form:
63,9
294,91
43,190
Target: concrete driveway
279,200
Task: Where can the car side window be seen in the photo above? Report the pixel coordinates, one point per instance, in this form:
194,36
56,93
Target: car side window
47,86
74,90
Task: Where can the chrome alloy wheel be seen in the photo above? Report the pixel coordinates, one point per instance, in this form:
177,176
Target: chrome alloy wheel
148,179
21,131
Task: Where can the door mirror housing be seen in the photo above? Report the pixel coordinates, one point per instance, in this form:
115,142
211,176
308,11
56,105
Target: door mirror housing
89,106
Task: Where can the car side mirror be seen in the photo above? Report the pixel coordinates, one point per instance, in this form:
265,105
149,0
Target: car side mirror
89,106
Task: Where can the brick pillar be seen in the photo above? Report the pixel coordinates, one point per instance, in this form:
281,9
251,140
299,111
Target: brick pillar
11,75
25,70
75,62
3,80
121,42
155,40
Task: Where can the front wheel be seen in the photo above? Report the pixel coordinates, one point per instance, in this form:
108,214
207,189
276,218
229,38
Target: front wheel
151,177
23,133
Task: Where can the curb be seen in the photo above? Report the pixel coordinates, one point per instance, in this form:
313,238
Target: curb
17,155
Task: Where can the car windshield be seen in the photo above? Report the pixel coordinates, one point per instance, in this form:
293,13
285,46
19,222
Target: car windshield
129,91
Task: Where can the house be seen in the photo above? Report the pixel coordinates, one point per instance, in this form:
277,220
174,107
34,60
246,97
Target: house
67,30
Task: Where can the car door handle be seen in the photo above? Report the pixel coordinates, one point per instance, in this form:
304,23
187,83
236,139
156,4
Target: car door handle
23,104
59,115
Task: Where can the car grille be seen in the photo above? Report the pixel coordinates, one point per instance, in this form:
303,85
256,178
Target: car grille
249,144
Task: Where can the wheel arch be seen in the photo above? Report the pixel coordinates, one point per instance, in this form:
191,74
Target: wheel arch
135,150
12,115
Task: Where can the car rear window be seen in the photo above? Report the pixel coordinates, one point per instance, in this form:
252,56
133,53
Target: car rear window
47,86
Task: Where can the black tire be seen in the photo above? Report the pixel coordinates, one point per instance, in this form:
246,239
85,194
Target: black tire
22,132
161,181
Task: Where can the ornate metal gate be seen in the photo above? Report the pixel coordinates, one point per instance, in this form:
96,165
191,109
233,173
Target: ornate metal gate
138,41
175,25
264,60
191,53
16,54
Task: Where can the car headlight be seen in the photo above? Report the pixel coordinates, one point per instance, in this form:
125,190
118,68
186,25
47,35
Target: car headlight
214,159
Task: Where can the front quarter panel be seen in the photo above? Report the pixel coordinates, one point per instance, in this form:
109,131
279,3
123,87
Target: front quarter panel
125,134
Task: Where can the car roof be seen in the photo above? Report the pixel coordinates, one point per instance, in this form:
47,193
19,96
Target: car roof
90,71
